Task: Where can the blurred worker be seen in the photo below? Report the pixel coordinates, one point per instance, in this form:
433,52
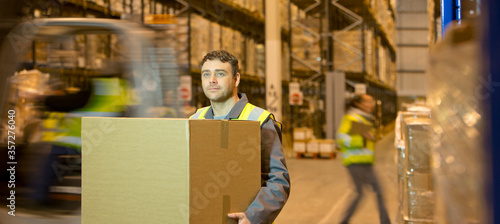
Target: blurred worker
106,98
356,138
220,79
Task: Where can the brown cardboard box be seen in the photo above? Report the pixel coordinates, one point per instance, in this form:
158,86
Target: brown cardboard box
146,170
326,146
302,134
299,146
417,144
313,146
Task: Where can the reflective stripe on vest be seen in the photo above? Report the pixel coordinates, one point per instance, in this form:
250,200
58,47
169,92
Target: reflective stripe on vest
253,113
249,112
52,126
359,118
200,113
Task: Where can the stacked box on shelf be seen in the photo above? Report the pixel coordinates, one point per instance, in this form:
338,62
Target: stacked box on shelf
326,146
256,7
344,55
369,54
215,36
400,145
420,205
301,136
250,63
200,39
418,194
284,11
227,39
305,45
182,32
241,3
400,136
382,74
417,148
236,48
260,60
117,6
313,146
383,15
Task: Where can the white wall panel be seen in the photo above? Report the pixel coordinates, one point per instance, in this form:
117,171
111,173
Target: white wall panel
410,84
413,37
411,5
412,20
412,58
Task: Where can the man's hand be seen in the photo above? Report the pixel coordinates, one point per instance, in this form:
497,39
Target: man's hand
368,136
242,218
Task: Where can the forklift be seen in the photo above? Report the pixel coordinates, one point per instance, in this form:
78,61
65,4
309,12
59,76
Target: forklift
43,58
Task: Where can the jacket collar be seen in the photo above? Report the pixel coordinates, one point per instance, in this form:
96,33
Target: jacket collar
364,114
235,111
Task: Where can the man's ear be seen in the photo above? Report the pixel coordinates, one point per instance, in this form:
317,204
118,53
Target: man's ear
237,79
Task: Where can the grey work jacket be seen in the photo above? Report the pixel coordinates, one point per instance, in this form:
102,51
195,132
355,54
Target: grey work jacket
274,174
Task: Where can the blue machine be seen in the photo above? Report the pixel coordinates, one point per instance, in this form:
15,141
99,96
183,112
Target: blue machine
450,10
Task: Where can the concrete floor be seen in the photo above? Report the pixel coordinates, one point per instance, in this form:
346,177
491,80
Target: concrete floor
321,189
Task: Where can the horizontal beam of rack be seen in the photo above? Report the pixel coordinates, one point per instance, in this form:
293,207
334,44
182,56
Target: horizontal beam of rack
93,7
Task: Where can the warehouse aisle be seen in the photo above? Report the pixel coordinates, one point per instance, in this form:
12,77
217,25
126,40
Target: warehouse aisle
321,189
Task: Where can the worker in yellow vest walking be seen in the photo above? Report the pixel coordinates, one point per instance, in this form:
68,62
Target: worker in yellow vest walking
356,139
220,79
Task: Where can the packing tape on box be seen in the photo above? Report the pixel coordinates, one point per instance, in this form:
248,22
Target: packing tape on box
224,133
226,205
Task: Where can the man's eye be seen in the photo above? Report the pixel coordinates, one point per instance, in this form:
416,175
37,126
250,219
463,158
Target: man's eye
205,74
220,74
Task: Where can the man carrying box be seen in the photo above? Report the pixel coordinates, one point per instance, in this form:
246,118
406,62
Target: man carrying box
220,79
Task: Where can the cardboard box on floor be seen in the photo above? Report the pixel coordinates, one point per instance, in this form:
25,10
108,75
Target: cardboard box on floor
146,170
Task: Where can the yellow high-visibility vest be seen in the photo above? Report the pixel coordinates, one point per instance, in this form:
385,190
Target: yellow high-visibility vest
249,112
352,147
107,100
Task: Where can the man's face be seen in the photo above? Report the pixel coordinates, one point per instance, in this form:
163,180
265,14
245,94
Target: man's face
367,103
217,81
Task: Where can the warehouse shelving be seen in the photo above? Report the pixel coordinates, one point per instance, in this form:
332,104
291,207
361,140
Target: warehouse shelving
243,18
354,38
103,10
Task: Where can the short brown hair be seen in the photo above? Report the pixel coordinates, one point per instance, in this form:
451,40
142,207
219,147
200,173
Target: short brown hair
358,98
224,57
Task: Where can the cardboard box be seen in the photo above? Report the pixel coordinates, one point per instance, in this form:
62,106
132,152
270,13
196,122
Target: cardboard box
326,146
419,181
302,133
417,146
313,146
299,146
421,205
142,170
